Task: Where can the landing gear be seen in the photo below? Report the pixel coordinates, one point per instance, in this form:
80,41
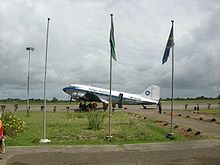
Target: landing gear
82,106
144,107
105,106
90,106
113,107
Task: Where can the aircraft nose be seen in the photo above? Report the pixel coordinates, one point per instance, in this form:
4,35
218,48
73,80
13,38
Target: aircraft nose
68,90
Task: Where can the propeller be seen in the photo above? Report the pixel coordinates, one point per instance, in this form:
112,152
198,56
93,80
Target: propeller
74,97
71,97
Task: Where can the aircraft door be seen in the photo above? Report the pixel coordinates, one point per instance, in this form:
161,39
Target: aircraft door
120,98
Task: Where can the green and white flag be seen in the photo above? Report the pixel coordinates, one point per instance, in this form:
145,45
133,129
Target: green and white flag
112,40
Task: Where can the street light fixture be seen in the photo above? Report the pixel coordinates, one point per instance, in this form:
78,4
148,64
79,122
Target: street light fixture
29,49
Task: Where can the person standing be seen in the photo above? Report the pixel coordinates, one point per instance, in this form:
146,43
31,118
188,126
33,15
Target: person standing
2,145
160,106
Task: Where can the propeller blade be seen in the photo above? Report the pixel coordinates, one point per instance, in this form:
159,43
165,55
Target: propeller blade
71,97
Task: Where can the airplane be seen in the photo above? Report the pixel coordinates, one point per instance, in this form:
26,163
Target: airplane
79,92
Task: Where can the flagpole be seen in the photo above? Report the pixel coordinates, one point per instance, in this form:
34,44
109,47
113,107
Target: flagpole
44,140
110,91
172,82
110,98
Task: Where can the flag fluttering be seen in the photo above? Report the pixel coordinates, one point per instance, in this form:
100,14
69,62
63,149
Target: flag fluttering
112,40
170,44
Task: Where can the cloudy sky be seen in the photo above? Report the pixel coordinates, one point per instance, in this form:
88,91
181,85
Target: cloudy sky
78,49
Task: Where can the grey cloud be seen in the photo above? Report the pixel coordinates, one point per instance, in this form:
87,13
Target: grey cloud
79,47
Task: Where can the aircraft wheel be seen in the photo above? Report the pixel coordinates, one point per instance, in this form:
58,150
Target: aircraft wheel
83,107
105,106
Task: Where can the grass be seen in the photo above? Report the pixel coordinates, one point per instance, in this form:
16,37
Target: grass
49,102
210,111
72,128
205,101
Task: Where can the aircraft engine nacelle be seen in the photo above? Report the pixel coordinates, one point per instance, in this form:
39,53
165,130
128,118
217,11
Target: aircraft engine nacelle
77,96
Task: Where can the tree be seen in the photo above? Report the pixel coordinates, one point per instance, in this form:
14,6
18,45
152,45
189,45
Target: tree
54,99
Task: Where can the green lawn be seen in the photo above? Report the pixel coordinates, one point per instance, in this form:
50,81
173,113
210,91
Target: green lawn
210,111
71,128
206,101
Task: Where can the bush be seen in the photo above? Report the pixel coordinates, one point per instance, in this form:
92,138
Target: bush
95,120
11,124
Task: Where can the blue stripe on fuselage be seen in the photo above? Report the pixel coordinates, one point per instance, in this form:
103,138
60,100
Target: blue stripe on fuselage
100,93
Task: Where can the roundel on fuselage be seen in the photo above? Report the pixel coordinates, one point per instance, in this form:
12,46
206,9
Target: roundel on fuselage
147,93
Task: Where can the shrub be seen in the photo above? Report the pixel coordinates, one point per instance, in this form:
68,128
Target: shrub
189,130
11,124
95,120
213,119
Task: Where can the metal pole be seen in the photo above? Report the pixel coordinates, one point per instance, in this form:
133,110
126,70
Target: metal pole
110,98
110,84
172,81
28,82
45,76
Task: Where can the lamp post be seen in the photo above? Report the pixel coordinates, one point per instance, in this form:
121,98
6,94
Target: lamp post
29,49
44,140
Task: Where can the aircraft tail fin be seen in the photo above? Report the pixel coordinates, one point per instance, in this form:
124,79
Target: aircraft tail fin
152,92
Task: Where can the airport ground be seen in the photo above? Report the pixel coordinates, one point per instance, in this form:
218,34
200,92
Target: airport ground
193,152
172,153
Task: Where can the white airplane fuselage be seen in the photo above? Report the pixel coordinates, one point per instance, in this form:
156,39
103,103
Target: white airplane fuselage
91,93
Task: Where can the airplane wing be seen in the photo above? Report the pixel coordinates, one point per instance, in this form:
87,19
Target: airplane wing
93,97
